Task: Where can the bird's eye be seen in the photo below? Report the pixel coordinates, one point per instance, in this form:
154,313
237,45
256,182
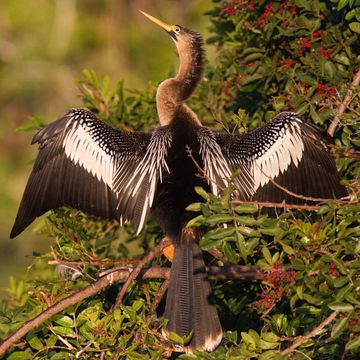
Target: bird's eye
177,29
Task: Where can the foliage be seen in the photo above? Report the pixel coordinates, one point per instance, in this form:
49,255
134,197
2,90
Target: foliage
272,56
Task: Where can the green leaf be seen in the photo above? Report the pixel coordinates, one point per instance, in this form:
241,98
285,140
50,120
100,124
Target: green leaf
34,341
240,243
35,123
51,341
342,3
175,338
267,255
330,69
220,233
270,231
340,306
219,219
215,237
64,331
288,249
341,294
315,116
19,355
299,291
355,27
250,50
64,320
194,207
137,304
246,209
353,344
200,191
249,341
196,221
270,337
251,79
342,59
309,80
312,299
230,253
339,327
246,220
252,57
265,345
353,13
208,243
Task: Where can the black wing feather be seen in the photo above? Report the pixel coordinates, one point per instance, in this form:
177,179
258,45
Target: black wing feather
294,154
79,161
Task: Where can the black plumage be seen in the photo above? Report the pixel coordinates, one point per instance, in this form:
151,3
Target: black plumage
115,174
312,175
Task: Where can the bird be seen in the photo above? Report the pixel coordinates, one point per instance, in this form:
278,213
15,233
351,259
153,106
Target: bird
88,165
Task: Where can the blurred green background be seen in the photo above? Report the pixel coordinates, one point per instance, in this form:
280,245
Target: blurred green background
44,46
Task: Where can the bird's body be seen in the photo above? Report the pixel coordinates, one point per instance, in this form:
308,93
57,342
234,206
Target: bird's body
86,164
176,191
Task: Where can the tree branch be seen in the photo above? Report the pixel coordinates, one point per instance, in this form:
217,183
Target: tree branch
97,263
230,272
278,205
344,104
314,332
164,286
155,252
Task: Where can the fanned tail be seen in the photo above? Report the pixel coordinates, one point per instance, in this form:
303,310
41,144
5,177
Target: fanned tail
188,305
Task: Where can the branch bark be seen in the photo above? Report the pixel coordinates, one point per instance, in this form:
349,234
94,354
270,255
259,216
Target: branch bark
277,205
155,252
314,332
97,263
344,104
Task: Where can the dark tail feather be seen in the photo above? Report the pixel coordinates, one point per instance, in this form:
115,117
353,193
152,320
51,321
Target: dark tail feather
188,306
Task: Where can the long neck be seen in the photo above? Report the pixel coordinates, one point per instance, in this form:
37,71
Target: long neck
173,92
191,56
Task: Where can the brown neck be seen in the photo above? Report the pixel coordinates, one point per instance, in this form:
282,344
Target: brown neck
173,92
191,56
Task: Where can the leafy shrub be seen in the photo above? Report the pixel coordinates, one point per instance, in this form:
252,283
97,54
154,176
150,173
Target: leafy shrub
272,56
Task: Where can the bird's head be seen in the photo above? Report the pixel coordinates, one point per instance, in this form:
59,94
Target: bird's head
185,39
175,91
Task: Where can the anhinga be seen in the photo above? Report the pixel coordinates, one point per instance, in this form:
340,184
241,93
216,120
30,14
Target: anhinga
88,165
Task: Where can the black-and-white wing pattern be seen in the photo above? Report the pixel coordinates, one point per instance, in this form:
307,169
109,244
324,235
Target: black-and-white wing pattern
288,151
142,182
89,165
217,167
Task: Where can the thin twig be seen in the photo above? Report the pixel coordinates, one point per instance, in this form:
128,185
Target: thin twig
277,205
344,104
160,294
235,272
216,253
298,196
97,263
314,332
155,252
347,154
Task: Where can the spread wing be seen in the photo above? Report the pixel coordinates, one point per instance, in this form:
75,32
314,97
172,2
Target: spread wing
217,167
286,151
89,165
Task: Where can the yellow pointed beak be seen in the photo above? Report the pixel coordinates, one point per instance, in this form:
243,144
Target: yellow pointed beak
165,26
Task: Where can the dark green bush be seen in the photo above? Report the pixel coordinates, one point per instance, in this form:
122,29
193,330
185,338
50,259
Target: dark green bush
272,56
